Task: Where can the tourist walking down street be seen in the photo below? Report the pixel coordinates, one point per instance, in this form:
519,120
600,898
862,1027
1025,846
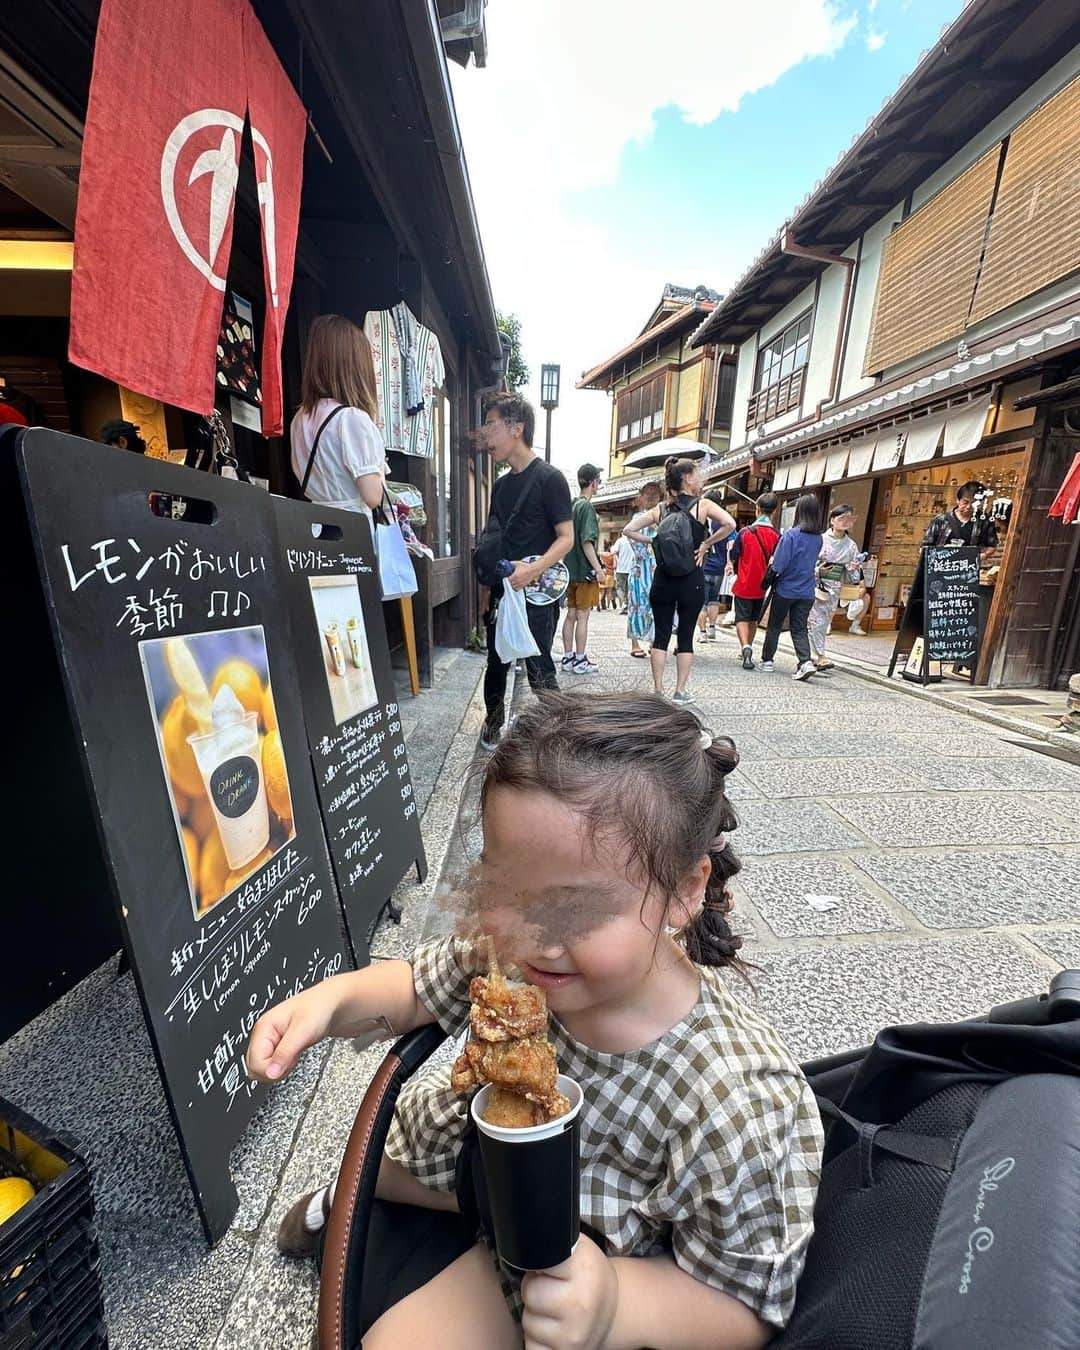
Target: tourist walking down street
683,540
795,565
587,575
624,562
751,552
530,518
639,615
838,562
715,569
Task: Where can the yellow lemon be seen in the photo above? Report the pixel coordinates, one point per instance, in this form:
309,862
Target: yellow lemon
44,1165
213,872
269,712
244,681
14,1193
176,726
200,819
235,878
191,848
275,777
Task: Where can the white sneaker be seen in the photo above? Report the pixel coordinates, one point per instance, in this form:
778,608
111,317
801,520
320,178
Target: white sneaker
767,666
682,696
583,666
712,632
857,630
805,671
568,660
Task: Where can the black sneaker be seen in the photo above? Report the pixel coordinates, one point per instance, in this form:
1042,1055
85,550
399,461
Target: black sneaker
490,735
748,658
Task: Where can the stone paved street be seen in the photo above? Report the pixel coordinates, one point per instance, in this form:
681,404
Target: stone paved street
952,852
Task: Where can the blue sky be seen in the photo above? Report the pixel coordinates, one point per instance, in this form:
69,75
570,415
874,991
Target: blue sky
640,170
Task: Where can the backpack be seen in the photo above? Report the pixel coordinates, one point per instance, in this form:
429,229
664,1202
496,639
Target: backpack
946,1216
491,546
674,542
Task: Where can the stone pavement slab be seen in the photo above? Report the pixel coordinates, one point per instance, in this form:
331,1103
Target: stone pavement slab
830,997
781,890
952,817
771,827
980,888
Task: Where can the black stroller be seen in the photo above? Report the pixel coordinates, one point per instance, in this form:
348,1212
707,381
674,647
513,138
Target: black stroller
946,1220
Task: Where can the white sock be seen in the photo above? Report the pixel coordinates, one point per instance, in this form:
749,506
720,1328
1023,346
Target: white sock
313,1219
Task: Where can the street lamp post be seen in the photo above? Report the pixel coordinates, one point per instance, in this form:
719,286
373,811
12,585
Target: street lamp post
549,400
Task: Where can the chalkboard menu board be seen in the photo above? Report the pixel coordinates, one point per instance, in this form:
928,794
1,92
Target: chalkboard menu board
350,707
175,651
952,604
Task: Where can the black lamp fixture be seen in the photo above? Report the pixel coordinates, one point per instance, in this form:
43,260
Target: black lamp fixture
549,386
549,399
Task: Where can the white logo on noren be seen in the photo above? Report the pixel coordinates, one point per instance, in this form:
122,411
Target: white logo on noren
222,163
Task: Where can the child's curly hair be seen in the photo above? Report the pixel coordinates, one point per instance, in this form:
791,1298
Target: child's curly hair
636,763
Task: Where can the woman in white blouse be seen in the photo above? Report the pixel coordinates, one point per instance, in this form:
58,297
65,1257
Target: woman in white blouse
338,395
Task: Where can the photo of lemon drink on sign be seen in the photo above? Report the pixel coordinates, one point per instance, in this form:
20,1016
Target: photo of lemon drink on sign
222,755
350,680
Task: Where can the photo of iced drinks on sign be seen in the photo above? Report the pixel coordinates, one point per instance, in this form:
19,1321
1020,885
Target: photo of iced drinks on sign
344,645
221,752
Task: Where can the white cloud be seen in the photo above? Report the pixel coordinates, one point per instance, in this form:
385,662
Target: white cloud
875,40
567,87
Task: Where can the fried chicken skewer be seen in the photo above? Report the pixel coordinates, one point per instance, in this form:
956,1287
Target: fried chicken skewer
509,1048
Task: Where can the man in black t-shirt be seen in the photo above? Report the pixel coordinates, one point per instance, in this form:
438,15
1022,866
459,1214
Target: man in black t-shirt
532,504
959,525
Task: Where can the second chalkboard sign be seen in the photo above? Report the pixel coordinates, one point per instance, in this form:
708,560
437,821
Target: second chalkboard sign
952,605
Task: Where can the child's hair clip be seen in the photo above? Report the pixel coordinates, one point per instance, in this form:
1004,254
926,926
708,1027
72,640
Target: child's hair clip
706,739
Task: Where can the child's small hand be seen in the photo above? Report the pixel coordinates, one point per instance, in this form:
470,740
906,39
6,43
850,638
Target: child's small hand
571,1306
280,1036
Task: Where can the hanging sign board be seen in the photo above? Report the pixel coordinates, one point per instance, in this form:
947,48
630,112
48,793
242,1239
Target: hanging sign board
176,655
362,776
952,605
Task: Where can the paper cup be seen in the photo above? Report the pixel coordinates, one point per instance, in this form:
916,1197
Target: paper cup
533,1177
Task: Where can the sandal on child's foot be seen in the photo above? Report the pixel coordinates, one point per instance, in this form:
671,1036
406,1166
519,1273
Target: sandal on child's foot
294,1237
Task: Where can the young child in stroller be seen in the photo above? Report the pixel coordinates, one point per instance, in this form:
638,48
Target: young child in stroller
603,880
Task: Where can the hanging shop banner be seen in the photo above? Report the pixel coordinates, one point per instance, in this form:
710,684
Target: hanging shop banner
176,654
952,605
372,821
278,128
157,183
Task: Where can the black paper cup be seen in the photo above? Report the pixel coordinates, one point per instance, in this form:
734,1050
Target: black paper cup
533,1177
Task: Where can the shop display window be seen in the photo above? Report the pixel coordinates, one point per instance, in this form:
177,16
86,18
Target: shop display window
908,502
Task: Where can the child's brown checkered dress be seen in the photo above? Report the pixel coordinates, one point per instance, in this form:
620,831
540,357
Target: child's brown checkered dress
706,1143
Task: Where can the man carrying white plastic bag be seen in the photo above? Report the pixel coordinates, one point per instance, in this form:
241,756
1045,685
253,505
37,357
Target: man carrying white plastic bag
513,639
530,518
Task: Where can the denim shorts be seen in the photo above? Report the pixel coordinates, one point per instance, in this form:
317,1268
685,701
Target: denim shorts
713,583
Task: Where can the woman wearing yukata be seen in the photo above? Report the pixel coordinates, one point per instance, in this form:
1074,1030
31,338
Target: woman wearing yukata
838,562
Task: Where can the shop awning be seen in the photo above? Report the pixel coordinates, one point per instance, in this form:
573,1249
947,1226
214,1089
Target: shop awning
964,428
922,439
815,470
860,456
796,474
835,464
780,478
889,448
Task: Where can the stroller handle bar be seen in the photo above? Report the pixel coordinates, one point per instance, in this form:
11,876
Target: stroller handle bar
1061,1004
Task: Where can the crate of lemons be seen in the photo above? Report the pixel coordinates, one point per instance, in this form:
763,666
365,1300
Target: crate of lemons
25,1156
211,875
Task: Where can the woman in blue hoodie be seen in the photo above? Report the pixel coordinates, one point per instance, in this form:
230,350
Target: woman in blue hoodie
795,565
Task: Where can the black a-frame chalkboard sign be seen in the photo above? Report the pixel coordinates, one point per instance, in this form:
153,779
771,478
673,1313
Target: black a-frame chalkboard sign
156,707
330,582
941,623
